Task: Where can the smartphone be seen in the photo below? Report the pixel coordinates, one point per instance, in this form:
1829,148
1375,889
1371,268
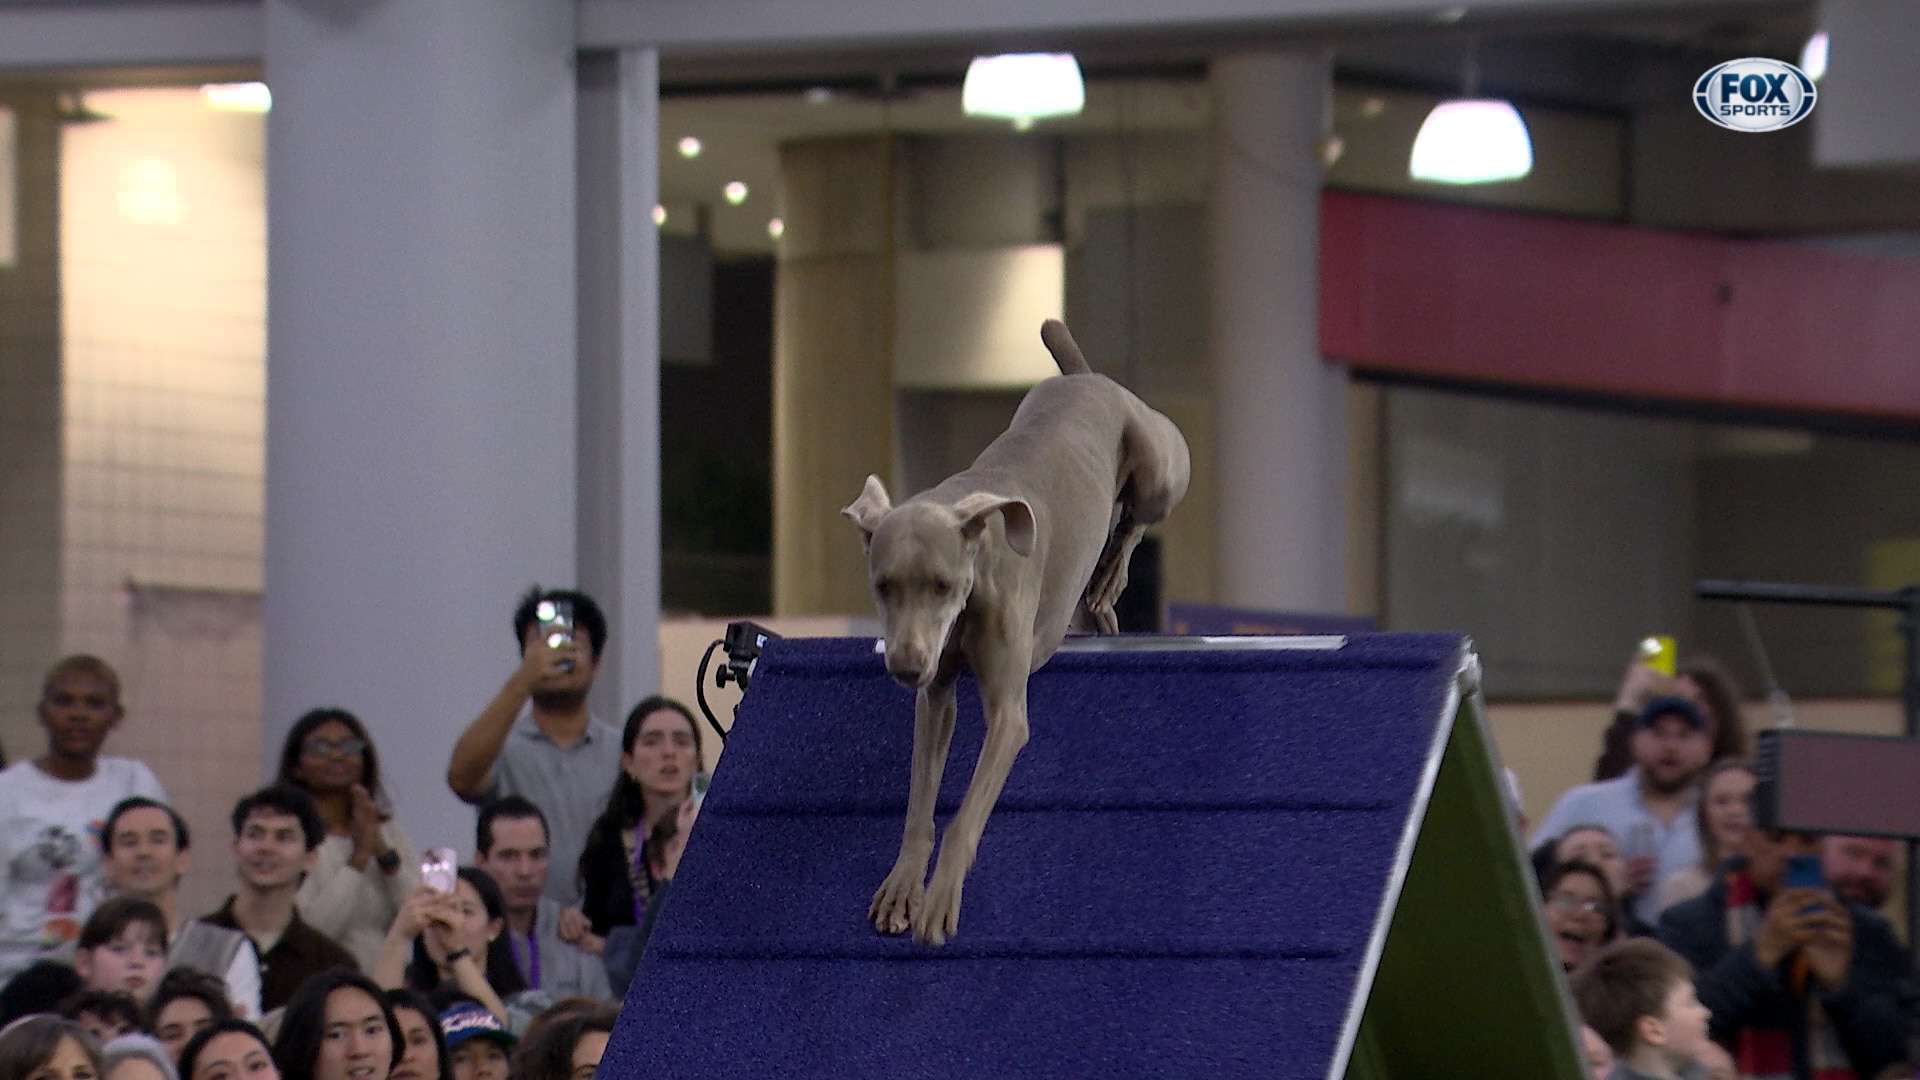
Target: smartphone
556,626
1803,872
1661,653
701,781
439,869
1640,840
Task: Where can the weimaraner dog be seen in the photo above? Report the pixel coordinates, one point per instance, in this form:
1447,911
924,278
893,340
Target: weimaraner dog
985,572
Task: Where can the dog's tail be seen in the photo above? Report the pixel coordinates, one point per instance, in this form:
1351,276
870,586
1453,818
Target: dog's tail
1060,343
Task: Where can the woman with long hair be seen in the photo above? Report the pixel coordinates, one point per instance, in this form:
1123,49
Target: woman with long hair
367,867
1723,816
1708,684
338,1026
453,941
660,754
566,1046
48,1047
425,1053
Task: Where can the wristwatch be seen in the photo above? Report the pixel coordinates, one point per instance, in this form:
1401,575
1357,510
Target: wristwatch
388,861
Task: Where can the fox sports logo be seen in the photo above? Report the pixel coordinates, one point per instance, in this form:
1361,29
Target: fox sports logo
1754,94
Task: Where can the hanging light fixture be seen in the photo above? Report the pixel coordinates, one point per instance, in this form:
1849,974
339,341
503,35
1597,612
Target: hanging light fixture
1471,139
250,97
1023,87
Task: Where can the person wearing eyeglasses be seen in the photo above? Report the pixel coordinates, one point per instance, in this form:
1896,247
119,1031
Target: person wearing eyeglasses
366,867
1580,910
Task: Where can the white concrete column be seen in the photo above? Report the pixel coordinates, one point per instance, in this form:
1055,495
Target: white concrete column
421,372
619,327
1279,410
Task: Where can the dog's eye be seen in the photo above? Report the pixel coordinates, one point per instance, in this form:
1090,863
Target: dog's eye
880,587
942,586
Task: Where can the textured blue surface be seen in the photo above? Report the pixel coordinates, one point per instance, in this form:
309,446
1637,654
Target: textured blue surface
1180,879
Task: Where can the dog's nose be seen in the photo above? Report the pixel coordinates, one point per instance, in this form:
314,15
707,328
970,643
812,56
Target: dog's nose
906,674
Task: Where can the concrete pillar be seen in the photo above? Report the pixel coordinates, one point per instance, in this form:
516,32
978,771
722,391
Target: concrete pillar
421,388
619,334
1279,410
832,367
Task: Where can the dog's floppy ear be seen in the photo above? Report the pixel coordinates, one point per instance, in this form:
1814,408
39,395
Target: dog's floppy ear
1015,515
867,510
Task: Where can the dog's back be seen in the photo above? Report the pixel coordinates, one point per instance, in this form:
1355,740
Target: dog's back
1078,443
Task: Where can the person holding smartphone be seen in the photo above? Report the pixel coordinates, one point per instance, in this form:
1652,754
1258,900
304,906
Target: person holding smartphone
447,940
537,739
1801,982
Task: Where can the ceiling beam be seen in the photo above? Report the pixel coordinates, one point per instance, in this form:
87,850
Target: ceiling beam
728,25
155,33
159,33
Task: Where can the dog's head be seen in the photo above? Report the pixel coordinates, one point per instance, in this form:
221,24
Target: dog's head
921,560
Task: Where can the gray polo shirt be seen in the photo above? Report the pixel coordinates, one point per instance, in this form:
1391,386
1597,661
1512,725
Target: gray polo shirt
570,786
565,971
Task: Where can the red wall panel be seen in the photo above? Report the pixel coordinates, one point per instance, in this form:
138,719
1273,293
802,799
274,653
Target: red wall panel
1466,293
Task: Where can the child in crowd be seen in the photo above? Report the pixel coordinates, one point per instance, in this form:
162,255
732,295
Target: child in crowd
123,947
1637,994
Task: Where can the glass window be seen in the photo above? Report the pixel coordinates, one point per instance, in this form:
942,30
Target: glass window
1560,536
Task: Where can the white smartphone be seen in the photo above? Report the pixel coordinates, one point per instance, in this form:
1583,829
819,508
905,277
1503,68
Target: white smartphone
440,869
556,626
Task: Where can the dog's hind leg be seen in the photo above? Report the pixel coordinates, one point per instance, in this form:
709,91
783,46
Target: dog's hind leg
1110,573
900,897
1157,471
1003,695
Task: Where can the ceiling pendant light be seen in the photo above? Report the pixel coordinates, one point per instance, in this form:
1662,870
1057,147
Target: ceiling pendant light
1471,139
1023,87
250,97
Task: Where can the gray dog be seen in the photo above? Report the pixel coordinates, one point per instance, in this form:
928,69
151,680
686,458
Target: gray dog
985,572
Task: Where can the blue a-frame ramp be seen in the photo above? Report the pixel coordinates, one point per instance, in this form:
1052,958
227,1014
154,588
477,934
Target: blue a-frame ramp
1270,858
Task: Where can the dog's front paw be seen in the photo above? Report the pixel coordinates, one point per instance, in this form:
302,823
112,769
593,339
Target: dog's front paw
939,914
897,903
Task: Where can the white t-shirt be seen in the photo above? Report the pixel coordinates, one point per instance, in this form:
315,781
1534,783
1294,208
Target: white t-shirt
50,849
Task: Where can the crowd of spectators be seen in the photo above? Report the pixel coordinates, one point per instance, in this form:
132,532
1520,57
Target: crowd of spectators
337,955
1697,945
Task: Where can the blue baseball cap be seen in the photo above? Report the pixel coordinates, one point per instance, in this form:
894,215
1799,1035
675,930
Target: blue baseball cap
471,1020
1672,706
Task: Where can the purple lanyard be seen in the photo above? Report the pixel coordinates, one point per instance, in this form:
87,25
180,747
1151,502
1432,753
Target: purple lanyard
642,881
531,968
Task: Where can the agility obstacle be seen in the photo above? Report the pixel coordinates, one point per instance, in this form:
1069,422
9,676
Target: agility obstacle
1220,858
